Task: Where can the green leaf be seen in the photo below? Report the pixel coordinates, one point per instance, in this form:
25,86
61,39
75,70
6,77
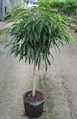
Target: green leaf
36,36
45,62
32,55
48,60
21,52
56,45
17,51
12,50
28,53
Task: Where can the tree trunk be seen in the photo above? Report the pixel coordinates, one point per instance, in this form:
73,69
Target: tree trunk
34,79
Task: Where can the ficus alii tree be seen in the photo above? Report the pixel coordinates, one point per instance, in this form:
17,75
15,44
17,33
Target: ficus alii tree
34,31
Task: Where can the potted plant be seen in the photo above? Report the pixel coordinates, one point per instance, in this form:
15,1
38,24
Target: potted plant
34,31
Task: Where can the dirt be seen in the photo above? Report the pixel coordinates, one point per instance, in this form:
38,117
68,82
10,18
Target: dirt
59,83
38,96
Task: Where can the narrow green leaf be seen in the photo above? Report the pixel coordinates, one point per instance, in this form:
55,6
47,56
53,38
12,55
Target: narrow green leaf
17,51
21,52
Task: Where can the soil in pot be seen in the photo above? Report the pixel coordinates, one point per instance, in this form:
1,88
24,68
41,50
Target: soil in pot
33,105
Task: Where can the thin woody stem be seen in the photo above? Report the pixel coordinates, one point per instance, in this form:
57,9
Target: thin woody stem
34,80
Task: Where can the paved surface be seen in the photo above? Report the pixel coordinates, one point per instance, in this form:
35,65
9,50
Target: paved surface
63,83
2,25
60,84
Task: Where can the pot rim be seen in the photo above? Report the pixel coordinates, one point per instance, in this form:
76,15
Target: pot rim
36,103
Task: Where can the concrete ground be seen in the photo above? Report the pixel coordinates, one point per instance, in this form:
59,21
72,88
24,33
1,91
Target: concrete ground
60,84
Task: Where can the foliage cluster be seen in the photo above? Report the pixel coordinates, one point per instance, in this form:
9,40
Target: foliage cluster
67,7
34,31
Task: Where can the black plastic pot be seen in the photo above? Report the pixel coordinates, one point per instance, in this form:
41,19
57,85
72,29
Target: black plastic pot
32,109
